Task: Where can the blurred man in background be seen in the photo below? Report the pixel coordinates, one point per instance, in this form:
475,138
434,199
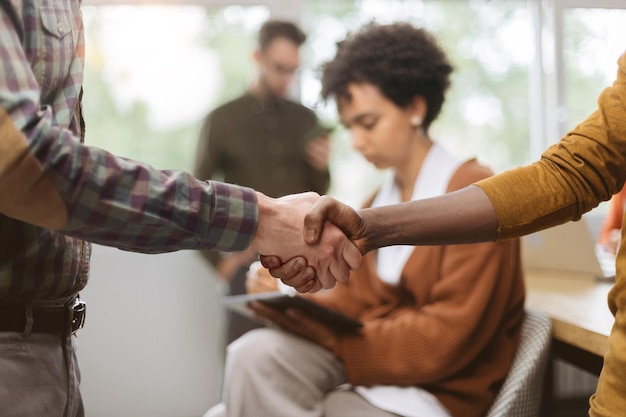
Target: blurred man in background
265,141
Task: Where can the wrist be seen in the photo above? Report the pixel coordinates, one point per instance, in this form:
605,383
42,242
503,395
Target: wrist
267,210
369,238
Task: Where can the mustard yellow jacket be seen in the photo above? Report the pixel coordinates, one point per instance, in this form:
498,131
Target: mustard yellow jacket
573,176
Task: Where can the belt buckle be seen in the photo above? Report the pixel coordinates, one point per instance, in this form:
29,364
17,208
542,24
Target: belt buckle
76,315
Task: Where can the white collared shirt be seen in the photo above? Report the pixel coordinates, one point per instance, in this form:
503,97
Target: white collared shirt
433,180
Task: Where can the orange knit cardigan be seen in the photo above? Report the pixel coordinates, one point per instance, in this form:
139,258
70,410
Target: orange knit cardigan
451,326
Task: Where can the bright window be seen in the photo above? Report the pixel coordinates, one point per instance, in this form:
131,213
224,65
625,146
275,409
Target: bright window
593,39
154,72
486,113
147,90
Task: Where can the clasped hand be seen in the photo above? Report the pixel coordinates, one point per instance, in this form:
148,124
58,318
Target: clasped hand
325,259
327,222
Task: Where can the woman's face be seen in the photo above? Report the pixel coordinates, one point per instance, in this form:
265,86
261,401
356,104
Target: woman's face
380,130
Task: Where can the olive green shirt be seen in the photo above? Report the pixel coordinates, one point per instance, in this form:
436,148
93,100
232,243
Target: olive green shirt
261,145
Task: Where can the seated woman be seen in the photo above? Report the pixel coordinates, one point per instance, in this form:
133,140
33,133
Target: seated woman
441,323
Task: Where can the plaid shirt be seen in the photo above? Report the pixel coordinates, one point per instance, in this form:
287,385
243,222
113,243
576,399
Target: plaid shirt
108,200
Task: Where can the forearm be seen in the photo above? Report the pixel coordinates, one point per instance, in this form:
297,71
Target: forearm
584,168
133,206
434,221
49,179
57,183
573,176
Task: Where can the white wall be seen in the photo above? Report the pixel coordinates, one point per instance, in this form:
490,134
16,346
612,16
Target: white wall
152,341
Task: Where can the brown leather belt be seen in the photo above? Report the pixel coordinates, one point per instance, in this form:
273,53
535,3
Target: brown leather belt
65,319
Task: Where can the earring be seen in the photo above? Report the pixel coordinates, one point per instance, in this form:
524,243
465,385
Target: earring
416,121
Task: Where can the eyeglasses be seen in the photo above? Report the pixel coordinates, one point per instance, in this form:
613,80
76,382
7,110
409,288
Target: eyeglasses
281,69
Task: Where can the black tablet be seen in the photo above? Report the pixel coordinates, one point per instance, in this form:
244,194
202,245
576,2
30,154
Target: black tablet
278,300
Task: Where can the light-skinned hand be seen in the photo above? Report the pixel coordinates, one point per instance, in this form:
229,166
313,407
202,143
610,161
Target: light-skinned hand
324,211
280,232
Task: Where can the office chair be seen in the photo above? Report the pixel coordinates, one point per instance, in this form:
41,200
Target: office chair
520,395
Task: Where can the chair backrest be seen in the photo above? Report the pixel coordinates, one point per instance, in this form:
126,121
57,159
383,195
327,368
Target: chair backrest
520,395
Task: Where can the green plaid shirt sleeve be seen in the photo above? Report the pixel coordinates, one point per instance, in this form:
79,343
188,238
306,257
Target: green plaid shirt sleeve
108,200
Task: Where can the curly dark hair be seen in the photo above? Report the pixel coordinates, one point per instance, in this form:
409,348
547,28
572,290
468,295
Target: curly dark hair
401,60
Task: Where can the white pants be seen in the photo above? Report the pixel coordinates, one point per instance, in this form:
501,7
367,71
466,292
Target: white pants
271,373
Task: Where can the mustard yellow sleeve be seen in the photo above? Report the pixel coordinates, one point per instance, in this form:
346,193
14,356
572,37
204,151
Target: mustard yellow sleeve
587,166
573,176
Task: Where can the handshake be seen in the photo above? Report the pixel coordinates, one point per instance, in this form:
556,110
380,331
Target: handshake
309,242
312,242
